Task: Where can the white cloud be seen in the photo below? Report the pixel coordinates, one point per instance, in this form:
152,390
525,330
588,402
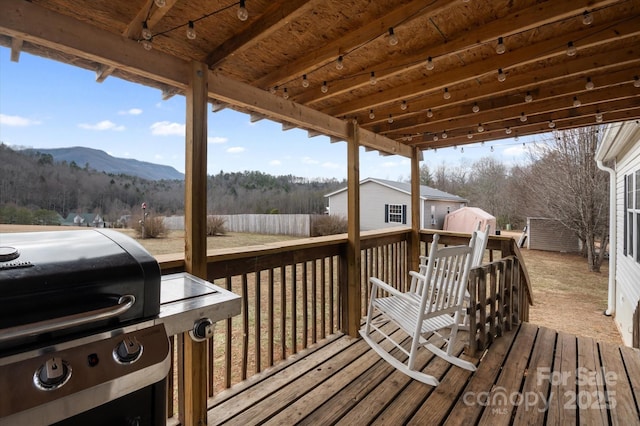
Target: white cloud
388,164
330,165
235,150
166,128
17,121
309,160
514,151
217,139
275,163
132,111
102,125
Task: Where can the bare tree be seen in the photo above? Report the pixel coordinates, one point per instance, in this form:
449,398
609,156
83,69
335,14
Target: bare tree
567,185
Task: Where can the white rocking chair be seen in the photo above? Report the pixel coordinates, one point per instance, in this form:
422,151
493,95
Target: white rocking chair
433,303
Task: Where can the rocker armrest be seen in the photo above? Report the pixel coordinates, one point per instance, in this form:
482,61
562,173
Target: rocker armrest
386,287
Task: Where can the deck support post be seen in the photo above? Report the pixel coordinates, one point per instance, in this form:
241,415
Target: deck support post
351,292
193,356
416,217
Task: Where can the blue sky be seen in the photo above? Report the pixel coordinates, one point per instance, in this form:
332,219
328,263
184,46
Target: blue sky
47,104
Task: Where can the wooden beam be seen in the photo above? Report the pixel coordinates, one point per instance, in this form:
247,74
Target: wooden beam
351,296
333,49
103,72
16,48
416,216
194,357
148,12
278,14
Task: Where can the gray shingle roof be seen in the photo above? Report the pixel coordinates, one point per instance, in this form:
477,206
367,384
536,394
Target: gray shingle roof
426,192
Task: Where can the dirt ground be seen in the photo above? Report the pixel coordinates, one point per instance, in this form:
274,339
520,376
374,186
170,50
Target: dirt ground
567,296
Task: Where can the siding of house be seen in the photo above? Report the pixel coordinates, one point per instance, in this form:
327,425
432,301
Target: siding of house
442,208
550,235
372,214
628,270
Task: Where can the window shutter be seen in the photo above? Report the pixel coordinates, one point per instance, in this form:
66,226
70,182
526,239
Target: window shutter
386,213
404,214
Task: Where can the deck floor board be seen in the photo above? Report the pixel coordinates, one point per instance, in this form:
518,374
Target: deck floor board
344,382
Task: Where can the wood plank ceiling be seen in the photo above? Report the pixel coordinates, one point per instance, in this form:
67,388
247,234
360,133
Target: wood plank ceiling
439,80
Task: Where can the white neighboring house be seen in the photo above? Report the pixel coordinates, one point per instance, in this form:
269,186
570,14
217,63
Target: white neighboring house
385,203
620,149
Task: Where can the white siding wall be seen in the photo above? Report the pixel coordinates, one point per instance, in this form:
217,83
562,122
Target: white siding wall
628,270
373,197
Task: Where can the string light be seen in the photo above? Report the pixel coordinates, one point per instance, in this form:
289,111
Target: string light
435,138
393,39
403,105
551,124
191,31
523,117
475,107
324,88
410,138
446,93
429,113
146,32
305,82
430,64
444,134
390,119
528,97
508,130
461,150
273,90
340,63
636,81
160,3
501,75
587,18
571,49
576,102
372,78
480,128
469,135
147,44
242,14
500,48
598,116
491,148
285,93
589,85
371,114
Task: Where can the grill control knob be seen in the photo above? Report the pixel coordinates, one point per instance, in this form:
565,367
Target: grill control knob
128,351
54,373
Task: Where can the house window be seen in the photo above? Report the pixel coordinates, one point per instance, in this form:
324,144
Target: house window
631,226
395,213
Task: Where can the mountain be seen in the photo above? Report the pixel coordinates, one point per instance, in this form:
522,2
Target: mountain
103,162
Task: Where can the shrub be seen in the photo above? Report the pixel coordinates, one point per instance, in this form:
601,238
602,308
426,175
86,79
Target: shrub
327,225
154,227
215,226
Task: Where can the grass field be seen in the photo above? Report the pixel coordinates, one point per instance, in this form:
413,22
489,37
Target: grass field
566,295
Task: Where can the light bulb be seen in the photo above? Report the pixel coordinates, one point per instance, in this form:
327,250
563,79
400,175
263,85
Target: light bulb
508,130
576,102
371,114
435,150
475,107
160,3
324,88
305,82
372,78
480,128
446,93
571,49
273,90
429,113
393,40
491,148
435,138
147,44
430,64
410,138
501,75
461,150
191,31
589,85
481,143
146,32
551,124
598,116
500,47
444,134
285,93
339,63
243,14
403,105
528,97
587,18
523,117
636,81
390,119
469,135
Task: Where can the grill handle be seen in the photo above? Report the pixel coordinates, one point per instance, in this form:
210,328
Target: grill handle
124,304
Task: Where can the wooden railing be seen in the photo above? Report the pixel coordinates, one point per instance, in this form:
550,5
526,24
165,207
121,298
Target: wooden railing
291,299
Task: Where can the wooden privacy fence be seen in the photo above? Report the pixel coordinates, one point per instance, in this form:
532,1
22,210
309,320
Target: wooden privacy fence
291,299
297,225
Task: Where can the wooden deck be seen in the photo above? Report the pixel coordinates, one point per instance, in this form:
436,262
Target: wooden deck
532,375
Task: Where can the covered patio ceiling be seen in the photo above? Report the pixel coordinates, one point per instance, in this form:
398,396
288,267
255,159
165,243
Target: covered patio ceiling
440,76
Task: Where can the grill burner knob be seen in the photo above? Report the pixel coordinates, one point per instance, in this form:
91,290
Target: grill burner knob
8,253
53,374
128,351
